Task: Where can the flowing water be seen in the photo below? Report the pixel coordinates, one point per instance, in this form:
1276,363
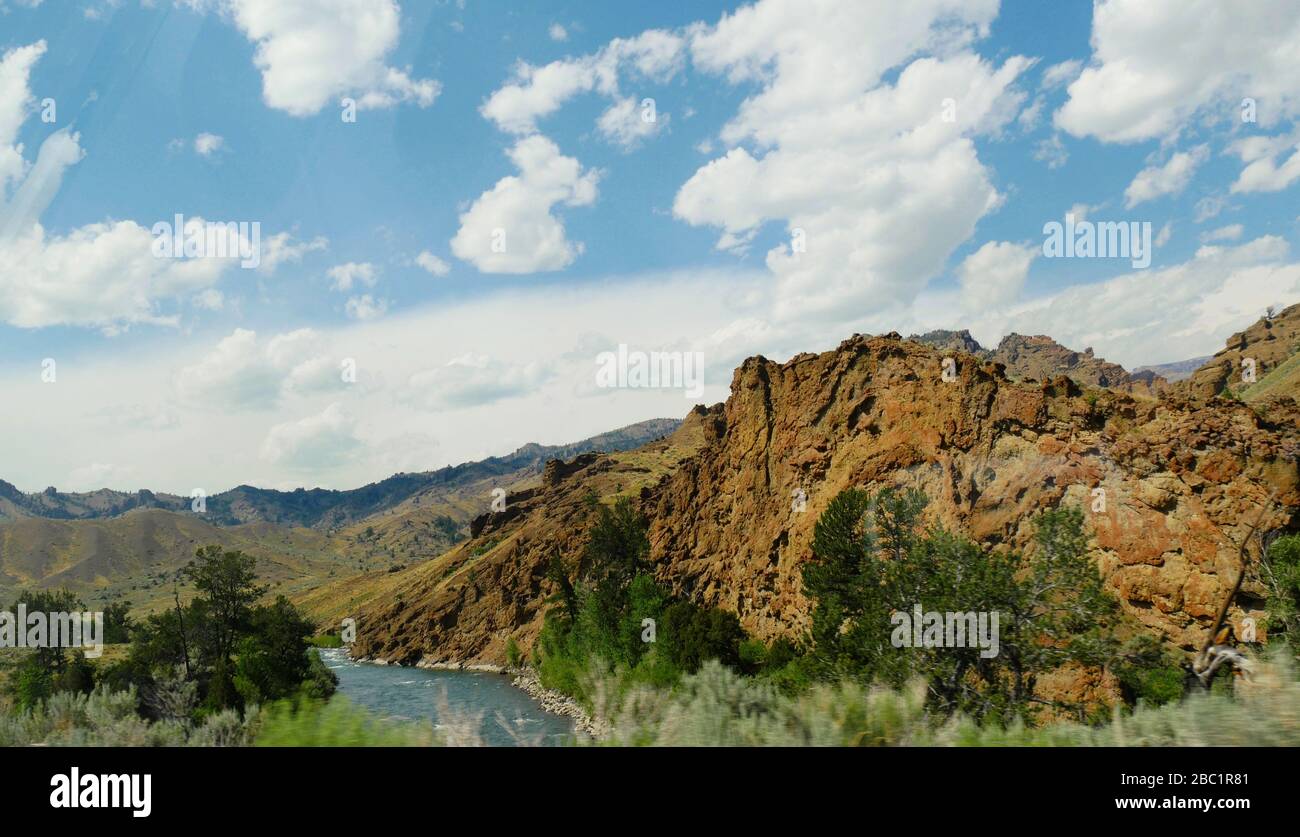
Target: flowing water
413,693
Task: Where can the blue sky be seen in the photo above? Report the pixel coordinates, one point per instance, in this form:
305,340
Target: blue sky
770,118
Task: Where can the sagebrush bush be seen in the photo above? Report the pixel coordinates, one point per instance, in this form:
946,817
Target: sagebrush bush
717,707
109,719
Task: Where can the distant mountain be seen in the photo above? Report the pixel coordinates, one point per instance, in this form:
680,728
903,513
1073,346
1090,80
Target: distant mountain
1177,371
317,507
109,545
135,557
1040,358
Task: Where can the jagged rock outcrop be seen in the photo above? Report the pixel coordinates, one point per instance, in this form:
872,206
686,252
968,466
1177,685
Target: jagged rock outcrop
1180,478
952,341
1039,358
1270,342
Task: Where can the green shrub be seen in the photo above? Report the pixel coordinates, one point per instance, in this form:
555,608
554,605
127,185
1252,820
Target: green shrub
338,723
717,707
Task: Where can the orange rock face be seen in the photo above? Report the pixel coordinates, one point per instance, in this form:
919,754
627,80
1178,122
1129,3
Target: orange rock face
1169,488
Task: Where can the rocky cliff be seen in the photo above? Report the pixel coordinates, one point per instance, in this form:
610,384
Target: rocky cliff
1039,358
1270,343
1169,486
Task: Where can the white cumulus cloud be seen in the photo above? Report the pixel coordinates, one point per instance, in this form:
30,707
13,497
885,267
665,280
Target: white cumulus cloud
535,92
352,273
994,274
473,380
511,228
321,441
313,52
1169,179
1157,63
870,175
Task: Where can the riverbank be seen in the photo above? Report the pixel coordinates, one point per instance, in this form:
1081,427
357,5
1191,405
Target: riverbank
555,702
523,679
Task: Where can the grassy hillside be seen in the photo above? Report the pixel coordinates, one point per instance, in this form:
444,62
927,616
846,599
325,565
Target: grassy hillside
110,546
1283,380
443,577
134,557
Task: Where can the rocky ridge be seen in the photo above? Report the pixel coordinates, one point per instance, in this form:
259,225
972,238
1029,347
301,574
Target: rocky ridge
1039,357
1178,475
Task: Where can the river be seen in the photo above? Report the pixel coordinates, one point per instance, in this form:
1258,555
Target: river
412,694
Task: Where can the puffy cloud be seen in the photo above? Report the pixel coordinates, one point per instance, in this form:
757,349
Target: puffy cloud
1262,172
97,275
282,248
1157,63
241,372
15,100
320,441
205,144
1232,232
535,92
626,123
473,380
365,307
432,264
557,32
1061,74
881,186
1052,152
1169,179
511,228
346,275
312,52
994,274
103,275
1209,207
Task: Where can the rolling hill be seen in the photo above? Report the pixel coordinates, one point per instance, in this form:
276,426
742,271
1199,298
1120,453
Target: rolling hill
108,545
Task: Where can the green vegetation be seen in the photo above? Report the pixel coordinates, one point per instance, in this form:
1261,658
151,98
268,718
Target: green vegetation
1284,378
236,653
337,723
42,672
217,657
105,718
717,707
713,707
610,613
872,561
655,669
613,629
1281,575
